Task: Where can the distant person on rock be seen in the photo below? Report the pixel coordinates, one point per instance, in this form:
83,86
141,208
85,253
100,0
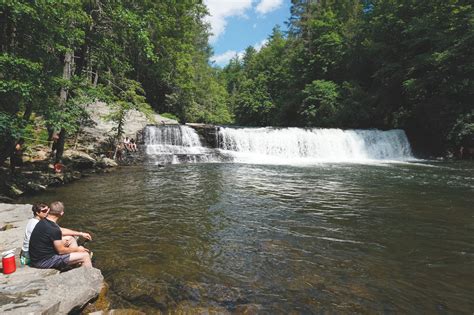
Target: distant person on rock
58,167
40,211
49,249
118,152
126,143
54,146
16,158
133,145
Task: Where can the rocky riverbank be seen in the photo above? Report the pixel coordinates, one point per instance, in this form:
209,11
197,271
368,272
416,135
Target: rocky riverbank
87,154
37,175
40,291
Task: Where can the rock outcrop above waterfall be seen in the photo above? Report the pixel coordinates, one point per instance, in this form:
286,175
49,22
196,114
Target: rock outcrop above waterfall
134,122
40,291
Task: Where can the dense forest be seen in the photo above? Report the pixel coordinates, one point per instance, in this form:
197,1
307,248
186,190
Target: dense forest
349,64
405,64
56,56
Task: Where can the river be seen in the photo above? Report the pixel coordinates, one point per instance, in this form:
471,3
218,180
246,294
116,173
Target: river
385,237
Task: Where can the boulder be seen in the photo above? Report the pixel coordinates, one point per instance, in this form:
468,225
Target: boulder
36,187
106,163
15,191
103,128
78,159
40,291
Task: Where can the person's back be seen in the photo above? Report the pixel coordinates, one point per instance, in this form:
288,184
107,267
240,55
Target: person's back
48,248
41,241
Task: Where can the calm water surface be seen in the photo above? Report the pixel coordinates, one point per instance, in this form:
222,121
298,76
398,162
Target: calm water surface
341,238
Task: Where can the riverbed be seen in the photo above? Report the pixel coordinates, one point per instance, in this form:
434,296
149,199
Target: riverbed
335,237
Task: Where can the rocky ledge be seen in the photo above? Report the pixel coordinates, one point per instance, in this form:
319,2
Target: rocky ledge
40,291
35,176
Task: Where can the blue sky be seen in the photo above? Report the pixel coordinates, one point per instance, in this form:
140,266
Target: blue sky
237,24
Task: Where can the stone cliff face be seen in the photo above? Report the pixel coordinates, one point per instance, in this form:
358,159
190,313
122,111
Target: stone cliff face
207,134
135,122
40,291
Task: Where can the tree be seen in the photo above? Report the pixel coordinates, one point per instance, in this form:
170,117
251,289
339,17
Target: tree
321,103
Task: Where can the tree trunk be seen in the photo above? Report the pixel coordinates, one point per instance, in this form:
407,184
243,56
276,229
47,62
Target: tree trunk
96,77
60,145
28,112
7,150
63,94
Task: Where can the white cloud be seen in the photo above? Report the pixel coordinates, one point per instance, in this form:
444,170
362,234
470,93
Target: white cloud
220,10
266,6
259,45
224,58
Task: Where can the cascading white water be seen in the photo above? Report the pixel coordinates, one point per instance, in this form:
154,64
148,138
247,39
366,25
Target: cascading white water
297,145
175,144
172,140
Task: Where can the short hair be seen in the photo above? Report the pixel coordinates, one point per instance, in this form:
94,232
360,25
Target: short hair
56,208
37,207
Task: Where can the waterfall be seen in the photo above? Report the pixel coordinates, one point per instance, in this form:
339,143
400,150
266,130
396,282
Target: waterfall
177,144
171,139
297,145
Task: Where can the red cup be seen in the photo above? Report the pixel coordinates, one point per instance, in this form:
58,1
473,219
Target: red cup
9,265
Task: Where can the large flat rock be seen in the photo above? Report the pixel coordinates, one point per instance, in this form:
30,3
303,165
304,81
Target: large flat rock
135,121
40,291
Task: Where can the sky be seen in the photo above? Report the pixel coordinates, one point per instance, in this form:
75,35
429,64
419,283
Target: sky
237,24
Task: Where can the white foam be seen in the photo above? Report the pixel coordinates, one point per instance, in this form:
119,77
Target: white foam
309,146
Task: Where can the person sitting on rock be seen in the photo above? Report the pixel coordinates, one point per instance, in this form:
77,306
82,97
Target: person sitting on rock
47,247
133,145
126,143
40,211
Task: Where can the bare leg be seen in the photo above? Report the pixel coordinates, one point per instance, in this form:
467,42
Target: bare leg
80,257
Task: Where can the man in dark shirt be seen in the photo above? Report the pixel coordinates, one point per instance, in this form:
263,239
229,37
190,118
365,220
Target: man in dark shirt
47,249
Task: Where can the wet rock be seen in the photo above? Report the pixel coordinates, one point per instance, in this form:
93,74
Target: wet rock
35,187
227,296
188,308
101,304
106,163
15,191
248,309
124,311
5,199
136,290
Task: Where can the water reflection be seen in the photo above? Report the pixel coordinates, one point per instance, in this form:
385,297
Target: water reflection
336,238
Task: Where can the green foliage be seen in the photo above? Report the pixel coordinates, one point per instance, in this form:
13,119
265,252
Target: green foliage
133,55
346,63
462,129
253,105
169,116
320,103
364,64
127,95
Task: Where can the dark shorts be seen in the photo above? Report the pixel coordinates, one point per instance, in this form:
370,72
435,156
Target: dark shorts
57,262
